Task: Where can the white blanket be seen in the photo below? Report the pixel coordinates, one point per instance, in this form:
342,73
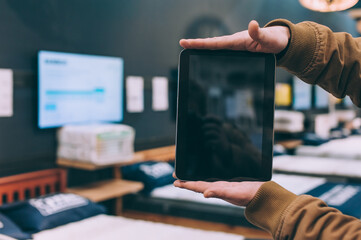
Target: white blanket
103,227
345,168
347,148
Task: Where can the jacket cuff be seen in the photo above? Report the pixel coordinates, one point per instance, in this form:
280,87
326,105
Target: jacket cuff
267,208
302,46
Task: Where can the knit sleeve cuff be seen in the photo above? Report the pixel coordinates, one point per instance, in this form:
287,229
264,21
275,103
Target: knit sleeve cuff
268,206
302,46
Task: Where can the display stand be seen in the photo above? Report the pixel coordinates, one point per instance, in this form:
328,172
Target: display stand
117,187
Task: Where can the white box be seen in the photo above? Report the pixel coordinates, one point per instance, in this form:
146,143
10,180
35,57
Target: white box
98,144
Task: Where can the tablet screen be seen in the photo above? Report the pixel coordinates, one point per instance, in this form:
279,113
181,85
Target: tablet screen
225,115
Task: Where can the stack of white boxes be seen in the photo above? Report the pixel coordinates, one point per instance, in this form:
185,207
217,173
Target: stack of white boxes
98,144
288,121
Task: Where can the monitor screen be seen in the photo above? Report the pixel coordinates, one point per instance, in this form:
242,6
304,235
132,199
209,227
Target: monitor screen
283,95
321,98
302,95
79,89
348,102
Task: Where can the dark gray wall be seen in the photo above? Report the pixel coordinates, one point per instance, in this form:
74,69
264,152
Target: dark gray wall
143,32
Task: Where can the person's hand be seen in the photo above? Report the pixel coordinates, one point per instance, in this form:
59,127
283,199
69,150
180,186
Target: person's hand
237,193
255,39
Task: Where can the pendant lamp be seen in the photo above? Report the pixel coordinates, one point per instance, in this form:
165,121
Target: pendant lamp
328,5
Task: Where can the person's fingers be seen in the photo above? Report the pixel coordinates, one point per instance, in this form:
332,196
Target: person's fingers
271,39
255,31
222,42
213,193
238,193
183,43
176,183
216,190
197,186
210,194
230,193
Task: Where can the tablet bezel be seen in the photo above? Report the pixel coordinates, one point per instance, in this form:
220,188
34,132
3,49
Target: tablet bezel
268,111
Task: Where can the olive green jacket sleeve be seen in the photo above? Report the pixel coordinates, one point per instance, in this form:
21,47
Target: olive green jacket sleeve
287,216
319,56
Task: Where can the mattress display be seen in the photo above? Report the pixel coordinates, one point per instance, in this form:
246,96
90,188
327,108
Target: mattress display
347,148
318,166
114,228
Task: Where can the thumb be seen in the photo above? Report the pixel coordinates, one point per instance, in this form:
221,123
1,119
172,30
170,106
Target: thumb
255,32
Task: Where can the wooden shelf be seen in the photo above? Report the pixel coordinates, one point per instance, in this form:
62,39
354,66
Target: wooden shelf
157,154
104,190
116,187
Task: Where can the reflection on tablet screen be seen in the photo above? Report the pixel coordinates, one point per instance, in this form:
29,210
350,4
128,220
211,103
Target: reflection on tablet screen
225,117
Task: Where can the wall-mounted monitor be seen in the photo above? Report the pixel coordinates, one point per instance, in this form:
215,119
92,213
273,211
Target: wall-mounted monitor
321,98
347,102
283,95
302,95
79,89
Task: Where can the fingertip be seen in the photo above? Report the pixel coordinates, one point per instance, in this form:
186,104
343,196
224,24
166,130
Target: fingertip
209,194
179,183
176,183
253,23
253,29
183,43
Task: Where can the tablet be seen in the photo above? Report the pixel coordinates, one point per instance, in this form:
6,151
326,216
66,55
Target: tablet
225,115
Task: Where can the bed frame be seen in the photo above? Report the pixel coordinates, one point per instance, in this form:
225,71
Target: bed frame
29,185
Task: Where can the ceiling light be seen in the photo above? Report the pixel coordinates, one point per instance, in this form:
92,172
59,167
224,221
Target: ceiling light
328,5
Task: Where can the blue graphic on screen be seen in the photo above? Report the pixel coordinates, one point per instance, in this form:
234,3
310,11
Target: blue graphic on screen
79,89
348,102
321,97
302,94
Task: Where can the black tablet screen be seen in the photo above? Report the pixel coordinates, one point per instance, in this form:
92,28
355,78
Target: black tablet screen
224,118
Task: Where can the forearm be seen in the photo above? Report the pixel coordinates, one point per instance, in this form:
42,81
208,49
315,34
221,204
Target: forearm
288,216
319,56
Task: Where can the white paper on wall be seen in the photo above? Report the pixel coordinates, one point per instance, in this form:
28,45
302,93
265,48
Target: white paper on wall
6,92
160,94
135,94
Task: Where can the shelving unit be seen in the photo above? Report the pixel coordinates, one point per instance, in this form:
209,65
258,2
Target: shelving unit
108,189
157,154
117,187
